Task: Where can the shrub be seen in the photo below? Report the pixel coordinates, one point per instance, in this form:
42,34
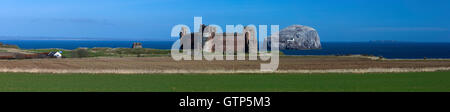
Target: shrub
138,51
80,53
120,51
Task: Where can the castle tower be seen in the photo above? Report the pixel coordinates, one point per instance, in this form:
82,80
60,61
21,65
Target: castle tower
137,45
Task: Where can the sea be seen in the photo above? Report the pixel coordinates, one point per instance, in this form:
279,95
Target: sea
390,50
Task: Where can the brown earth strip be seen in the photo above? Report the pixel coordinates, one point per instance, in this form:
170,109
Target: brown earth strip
302,64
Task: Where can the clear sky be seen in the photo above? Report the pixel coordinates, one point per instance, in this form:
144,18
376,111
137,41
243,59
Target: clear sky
336,20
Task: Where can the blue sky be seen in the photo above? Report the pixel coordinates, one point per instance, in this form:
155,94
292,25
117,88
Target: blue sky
336,20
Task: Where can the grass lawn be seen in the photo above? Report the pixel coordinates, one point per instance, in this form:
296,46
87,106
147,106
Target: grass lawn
377,82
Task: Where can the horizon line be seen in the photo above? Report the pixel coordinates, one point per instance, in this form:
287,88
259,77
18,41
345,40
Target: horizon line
116,39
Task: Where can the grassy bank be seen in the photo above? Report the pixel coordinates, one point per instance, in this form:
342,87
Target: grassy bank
107,52
425,81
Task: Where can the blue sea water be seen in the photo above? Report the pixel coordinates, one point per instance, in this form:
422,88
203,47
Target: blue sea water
73,44
390,50
401,50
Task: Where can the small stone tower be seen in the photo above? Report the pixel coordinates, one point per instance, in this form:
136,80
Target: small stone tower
137,45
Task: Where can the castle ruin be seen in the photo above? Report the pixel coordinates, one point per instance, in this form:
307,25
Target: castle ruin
209,33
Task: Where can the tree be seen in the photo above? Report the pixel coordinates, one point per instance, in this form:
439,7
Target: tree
80,53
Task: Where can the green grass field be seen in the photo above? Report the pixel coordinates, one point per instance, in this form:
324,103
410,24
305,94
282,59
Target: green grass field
373,82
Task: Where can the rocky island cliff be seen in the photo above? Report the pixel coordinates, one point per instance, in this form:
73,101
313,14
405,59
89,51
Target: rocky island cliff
299,37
